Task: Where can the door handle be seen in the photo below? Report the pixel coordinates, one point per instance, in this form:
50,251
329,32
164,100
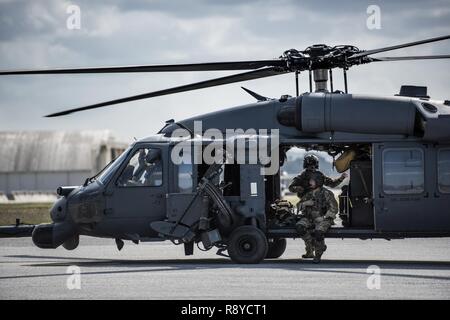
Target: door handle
381,205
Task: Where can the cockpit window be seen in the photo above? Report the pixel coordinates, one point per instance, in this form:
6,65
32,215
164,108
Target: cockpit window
143,170
444,170
112,167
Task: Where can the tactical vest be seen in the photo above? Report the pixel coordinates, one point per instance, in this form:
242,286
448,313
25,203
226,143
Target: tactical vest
320,206
304,178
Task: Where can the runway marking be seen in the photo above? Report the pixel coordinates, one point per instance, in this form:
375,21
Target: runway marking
322,269
413,264
86,273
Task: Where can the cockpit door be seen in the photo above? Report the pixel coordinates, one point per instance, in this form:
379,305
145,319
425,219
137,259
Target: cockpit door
136,194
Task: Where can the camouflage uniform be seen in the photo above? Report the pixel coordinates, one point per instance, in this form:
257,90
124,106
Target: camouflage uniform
319,208
300,186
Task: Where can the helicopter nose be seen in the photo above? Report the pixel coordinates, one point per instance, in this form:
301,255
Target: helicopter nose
52,235
58,212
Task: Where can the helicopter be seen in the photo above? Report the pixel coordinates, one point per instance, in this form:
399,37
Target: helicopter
396,149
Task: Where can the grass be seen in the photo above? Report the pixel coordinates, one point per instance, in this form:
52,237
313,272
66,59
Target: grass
32,213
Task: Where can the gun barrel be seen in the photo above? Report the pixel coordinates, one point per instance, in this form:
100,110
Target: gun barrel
16,231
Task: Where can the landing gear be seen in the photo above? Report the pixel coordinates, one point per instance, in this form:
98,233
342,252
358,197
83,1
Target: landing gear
276,248
247,244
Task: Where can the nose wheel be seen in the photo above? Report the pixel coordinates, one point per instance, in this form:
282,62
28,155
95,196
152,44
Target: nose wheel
247,244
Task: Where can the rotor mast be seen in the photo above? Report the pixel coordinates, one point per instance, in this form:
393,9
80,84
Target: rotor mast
320,77
318,69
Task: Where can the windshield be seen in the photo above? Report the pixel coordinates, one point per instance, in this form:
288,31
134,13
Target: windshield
111,168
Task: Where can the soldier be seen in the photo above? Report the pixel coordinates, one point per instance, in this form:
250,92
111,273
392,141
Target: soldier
319,208
300,185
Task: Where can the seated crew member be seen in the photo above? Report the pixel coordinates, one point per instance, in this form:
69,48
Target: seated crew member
319,208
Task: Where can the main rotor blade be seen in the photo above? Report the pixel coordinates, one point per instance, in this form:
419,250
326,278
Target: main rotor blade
405,45
209,66
261,73
405,58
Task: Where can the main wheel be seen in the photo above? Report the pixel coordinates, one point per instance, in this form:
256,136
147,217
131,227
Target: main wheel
276,248
247,244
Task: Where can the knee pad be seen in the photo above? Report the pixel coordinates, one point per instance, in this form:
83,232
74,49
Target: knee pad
319,235
301,230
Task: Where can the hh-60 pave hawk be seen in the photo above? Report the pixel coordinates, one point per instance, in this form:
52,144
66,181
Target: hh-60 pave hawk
396,148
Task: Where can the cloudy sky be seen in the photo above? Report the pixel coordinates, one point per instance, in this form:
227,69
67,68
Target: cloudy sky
34,34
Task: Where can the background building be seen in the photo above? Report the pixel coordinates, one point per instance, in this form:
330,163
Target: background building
34,163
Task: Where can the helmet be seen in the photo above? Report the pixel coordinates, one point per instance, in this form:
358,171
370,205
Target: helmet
311,161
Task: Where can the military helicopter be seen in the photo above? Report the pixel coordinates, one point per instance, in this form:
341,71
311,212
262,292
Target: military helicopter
396,148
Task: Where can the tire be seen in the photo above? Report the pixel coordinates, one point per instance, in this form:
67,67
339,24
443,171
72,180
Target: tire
72,243
276,248
247,244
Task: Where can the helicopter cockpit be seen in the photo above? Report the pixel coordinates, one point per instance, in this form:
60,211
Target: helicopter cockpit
143,169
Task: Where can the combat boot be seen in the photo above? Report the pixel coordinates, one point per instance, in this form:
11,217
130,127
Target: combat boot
309,254
317,257
319,253
309,248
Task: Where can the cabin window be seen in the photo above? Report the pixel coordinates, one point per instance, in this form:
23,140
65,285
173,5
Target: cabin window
444,170
403,171
185,178
143,170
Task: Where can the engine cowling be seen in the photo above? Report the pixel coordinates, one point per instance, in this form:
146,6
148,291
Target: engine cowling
324,112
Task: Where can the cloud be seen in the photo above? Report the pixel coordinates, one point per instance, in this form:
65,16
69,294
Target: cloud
119,32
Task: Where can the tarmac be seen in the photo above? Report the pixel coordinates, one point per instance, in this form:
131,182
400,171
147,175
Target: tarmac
350,269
